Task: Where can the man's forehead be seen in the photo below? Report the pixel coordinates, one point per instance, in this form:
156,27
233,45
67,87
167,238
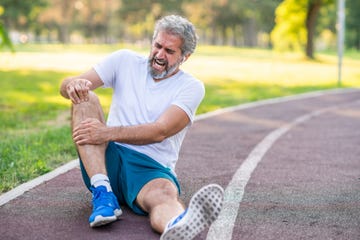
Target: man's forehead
168,40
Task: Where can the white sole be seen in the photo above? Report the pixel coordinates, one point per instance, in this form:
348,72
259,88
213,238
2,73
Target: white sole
204,208
100,220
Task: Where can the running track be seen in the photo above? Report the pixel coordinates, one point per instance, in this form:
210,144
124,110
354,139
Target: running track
290,167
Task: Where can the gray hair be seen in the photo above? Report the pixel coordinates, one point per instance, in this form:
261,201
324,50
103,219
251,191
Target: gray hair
179,26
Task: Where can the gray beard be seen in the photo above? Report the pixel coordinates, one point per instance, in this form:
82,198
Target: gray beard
167,72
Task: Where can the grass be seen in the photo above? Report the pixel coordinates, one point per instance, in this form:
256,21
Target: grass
35,120
35,130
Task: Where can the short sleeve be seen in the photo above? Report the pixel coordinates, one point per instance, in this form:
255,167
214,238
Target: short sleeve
190,97
108,68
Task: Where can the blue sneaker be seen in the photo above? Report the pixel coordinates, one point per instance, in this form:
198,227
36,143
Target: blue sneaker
106,208
203,210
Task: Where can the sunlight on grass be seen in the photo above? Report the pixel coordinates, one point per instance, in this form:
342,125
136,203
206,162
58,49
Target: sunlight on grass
20,97
208,63
26,95
270,71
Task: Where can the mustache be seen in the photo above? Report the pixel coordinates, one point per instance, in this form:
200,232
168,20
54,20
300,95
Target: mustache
160,60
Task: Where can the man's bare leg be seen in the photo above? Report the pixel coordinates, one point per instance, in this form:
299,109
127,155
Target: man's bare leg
160,199
92,156
106,208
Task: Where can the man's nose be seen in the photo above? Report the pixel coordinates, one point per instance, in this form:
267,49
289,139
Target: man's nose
160,54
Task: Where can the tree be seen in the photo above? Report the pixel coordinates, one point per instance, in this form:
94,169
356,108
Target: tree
5,41
353,24
296,24
311,17
21,14
237,22
140,15
310,23
85,19
289,32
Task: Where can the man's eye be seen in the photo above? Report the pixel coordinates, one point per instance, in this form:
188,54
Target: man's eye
169,51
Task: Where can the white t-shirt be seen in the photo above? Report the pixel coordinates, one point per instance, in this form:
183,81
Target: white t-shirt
138,99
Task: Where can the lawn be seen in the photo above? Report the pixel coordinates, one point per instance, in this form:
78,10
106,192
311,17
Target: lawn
35,118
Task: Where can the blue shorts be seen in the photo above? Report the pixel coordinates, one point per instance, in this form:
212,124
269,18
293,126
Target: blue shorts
129,171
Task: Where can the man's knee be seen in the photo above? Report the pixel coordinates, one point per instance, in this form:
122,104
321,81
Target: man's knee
93,100
88,109
156,192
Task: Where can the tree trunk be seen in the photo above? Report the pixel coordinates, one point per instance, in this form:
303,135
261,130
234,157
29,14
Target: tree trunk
213,35
312,13
107,21
250,33
234,39
224,36
63,28
357,43
63,33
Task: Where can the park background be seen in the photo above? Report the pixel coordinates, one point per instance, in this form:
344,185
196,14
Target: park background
248,50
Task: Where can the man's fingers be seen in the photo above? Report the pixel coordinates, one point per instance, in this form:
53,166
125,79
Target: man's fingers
78,90
81,91
85,88
80,141
83,126
72,94
88,84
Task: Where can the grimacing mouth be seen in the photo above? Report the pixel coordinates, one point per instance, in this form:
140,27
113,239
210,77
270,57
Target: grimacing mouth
160,62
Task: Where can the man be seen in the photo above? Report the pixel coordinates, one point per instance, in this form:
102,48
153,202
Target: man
131,159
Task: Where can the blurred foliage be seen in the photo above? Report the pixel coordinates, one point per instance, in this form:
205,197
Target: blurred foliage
5,40
219,22
289,31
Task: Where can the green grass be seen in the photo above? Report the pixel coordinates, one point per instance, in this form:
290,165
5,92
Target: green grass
26,155
35,119
29,97
32,144
61,48
225,93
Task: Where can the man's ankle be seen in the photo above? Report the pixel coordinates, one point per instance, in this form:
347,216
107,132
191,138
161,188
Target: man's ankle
101,180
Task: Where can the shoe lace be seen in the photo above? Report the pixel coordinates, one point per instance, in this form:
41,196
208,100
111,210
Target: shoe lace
178,218
101,197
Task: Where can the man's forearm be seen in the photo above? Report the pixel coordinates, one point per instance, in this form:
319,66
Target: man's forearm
137,135
172,121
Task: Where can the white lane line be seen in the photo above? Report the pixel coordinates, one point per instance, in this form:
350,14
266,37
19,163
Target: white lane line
274,101
18,191
223,227
14,193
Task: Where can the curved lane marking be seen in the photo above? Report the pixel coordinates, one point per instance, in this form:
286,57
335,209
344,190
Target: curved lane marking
223,227
21,189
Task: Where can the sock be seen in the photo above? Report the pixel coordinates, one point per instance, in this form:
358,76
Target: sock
101,180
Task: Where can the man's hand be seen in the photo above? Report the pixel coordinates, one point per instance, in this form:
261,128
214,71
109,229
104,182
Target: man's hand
90,131
78,90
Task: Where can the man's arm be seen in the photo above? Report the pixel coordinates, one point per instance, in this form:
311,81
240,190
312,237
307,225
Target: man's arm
77,88
92,131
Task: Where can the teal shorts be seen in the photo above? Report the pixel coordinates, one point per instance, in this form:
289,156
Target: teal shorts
129,171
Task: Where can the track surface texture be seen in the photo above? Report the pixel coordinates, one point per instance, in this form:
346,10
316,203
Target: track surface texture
300,177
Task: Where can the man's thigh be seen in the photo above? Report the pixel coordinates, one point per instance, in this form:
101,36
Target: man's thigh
156,192
139,170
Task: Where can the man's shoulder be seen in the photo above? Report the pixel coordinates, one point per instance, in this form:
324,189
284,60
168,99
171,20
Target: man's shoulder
188,78
128,54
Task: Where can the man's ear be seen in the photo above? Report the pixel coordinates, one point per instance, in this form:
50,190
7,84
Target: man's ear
185,58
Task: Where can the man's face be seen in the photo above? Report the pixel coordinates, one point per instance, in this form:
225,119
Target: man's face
165,56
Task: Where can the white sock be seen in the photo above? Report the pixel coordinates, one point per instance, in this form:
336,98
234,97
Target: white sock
101,180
